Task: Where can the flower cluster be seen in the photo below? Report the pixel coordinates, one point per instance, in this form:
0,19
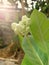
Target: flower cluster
22,27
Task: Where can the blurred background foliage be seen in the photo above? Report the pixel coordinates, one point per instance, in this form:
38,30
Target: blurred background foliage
41,5
30,5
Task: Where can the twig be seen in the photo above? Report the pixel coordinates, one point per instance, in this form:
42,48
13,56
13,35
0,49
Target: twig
11,60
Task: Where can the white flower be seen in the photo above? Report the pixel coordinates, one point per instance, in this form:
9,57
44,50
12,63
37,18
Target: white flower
25,20
13,25
22,27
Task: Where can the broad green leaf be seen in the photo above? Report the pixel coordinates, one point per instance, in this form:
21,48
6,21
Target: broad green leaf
36,46
26,61
40,29
33,54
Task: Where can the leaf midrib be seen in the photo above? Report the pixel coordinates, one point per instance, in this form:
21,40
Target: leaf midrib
35,52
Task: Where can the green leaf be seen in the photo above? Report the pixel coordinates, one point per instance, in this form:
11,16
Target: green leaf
36,46
40,29
33,54
26,61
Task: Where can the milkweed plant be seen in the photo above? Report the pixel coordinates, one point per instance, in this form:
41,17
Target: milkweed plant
35,45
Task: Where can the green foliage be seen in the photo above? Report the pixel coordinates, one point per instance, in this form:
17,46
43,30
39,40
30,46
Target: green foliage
40,29
44,5
33,54
36,45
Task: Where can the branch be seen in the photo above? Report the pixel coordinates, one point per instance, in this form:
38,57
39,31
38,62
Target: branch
11,60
